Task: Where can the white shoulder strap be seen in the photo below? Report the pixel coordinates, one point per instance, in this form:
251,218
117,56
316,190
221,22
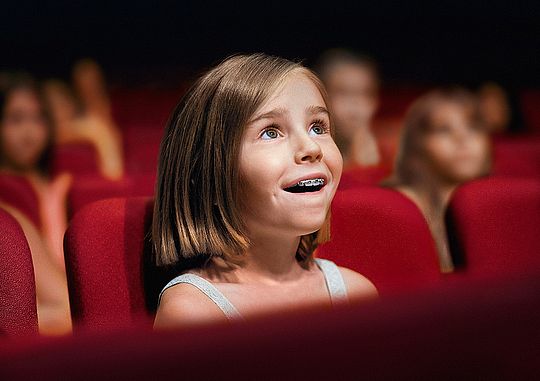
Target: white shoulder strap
209,290
334,280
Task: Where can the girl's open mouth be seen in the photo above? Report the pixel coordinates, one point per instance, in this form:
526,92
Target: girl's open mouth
304,186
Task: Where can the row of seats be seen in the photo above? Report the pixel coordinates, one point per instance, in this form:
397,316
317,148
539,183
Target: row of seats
512,157
142,114
482,330
493,225
17,192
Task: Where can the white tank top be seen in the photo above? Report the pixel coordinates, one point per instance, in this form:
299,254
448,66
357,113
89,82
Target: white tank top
333,278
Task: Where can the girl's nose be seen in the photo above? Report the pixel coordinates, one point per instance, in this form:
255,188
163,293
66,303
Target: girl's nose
308,151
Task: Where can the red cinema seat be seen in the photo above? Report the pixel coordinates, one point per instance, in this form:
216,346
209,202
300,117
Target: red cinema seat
110,277
359,176
494,224
88,189
483,331
79,159
381,234
516,156
17,192
18,314
141,148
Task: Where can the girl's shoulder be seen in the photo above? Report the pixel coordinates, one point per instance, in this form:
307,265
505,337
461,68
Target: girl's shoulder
184,304
358,286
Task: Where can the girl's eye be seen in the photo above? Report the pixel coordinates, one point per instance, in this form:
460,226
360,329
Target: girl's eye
270,133
318,128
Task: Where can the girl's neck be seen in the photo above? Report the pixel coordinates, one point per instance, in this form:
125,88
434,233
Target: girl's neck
270,260
434,195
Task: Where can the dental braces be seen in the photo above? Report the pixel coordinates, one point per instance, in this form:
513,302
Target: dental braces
310,182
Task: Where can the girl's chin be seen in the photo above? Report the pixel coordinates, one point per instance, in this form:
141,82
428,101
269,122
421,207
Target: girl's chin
304,229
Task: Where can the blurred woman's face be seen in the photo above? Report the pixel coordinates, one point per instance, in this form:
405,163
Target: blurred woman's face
455,147
353,93
23,130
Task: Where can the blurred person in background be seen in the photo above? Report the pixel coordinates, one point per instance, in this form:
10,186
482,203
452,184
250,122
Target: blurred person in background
72,126
25,149
443,145
96,116
352,82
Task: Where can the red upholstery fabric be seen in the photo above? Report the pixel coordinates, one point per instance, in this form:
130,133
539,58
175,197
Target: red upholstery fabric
355,177
88,189
110,279
494,224
477,331
18,314
382,235
141,148
516,156
17,192
78,159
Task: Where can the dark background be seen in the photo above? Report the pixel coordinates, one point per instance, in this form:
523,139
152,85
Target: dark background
138,42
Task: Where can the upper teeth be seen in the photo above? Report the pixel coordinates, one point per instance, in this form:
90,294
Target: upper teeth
310,182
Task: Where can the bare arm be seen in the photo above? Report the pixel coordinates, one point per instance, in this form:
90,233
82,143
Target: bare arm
184,305
358,286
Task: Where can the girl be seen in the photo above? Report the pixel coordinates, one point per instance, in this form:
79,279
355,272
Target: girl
443,145
25,144
247,171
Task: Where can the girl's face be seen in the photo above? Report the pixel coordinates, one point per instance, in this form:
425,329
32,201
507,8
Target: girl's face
24,132
456,149
289,164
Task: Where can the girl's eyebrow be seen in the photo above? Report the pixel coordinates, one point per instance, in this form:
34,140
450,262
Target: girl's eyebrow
279,111
312,110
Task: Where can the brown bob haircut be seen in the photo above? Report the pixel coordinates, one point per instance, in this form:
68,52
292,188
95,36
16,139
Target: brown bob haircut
418,123
196,211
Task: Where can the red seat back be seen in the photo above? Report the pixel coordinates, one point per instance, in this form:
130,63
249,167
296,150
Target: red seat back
88,189
382,235
17,192
18,314
516,156
108,254
78,159
494,224
359,176
477,331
